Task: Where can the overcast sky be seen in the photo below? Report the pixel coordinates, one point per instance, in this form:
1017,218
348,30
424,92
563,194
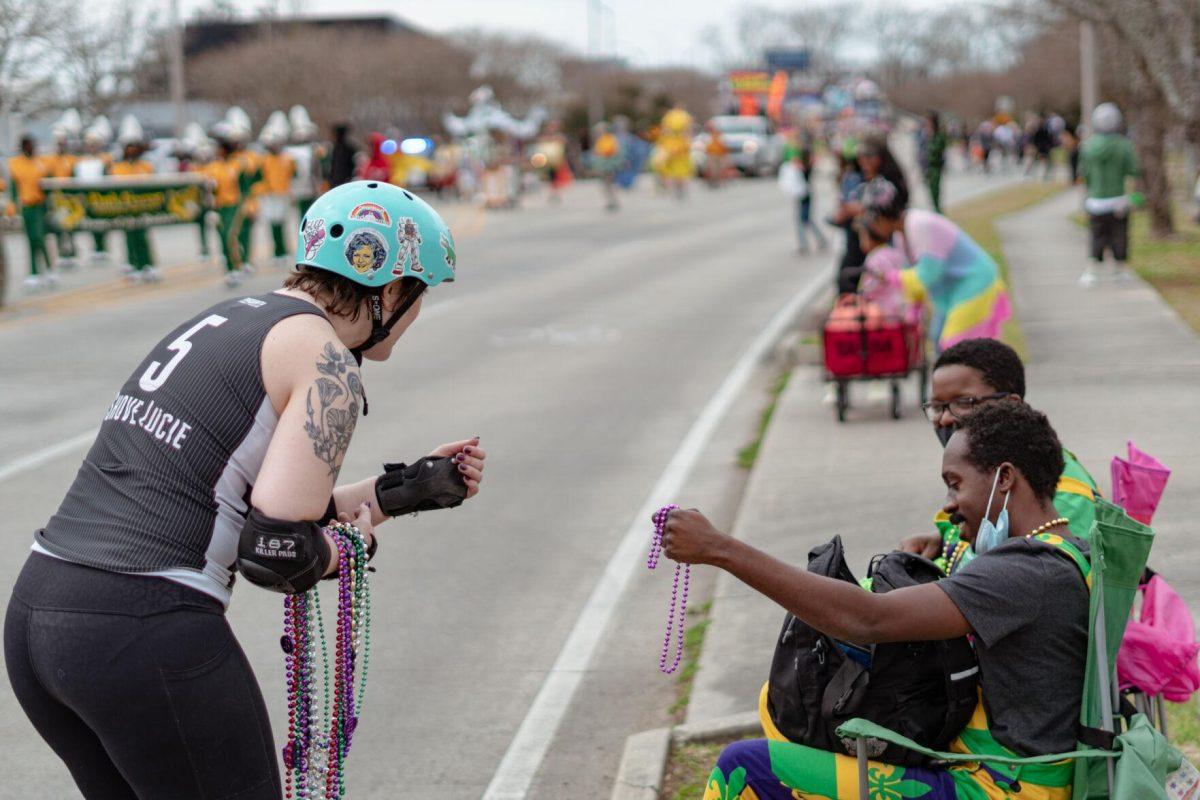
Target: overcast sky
647,32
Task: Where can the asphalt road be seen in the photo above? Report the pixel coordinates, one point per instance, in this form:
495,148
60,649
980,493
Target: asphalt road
581,346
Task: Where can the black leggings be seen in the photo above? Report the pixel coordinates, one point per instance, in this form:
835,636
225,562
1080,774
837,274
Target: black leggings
138,685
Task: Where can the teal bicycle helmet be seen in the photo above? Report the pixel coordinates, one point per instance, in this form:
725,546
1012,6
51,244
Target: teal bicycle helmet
374,233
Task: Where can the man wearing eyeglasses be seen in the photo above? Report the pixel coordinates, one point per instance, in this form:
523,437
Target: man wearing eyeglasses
970,374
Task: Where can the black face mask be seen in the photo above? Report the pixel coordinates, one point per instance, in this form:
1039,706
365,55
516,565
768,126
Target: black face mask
943,433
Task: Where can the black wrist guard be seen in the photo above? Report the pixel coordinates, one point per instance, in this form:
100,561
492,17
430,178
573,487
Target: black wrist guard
281,555
429,484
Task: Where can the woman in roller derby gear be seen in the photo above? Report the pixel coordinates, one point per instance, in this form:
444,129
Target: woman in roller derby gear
234,425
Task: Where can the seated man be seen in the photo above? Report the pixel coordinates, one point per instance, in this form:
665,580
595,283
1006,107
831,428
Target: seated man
967,376
1024,601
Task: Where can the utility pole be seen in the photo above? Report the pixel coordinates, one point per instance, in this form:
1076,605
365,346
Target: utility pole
1088,90
176,72
595,101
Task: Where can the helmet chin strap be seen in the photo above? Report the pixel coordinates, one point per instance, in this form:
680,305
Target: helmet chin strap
380,329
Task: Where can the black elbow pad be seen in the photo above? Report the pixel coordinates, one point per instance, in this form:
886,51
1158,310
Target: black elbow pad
429,484
281,555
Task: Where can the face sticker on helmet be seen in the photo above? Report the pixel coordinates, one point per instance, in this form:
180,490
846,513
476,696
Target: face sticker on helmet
371,212
367,252
447,243
410,247
314,238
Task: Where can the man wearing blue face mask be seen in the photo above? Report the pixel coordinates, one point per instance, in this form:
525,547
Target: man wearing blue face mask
968,376
1024,600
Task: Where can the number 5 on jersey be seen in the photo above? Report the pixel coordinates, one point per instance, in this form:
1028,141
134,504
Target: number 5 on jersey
181,347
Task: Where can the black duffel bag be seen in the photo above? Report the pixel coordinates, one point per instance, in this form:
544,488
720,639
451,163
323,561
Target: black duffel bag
926,691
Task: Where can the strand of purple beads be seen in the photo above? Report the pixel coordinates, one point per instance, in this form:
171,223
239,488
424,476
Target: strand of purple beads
656,545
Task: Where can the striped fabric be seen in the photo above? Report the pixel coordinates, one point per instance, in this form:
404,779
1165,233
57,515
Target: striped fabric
164,489
959,279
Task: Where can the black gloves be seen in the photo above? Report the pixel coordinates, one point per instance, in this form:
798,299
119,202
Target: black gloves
429,484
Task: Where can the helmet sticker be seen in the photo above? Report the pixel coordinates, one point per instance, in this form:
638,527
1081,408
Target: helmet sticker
410,247
371,212
314,238
447,242
366,251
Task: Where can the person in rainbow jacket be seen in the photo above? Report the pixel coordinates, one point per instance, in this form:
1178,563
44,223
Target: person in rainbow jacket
946,267
1023,599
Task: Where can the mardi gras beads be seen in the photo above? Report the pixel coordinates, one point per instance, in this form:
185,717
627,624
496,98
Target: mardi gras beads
320,733
656,545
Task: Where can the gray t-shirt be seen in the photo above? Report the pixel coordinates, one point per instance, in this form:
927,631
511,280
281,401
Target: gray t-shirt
1027,604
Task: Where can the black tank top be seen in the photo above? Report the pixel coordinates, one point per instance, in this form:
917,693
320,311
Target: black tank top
165,488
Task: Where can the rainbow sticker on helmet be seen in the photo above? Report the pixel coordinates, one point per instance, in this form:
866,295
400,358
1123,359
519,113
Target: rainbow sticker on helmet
371,212
448,250
409,253
366,251
314,237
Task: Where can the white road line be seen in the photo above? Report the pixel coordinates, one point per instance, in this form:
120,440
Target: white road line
528,748
39,457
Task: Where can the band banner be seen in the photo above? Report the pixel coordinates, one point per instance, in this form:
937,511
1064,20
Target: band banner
116,204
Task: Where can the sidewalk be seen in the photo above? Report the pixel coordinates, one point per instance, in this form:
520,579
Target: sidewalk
1107,364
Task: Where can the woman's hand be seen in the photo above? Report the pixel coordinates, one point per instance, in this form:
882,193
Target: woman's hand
362,521
927,545
469,457
691,539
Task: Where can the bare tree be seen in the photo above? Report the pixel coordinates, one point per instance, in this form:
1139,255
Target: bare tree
1155,42
821,29
105,54
29,53
393,79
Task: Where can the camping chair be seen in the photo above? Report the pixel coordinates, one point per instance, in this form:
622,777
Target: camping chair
1118,547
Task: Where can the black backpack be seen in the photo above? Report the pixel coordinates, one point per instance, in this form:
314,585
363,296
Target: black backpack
925,691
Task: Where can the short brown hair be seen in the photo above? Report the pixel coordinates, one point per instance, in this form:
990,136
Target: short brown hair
338,294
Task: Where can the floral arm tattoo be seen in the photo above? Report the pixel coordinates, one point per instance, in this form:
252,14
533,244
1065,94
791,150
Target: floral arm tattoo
332,406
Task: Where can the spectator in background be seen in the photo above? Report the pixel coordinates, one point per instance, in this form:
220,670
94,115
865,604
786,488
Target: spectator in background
933,158
341,157
875,159
1042,139
1106,162
377,167
850,180
799,151
957,277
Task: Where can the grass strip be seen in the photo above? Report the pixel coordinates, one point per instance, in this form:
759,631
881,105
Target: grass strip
749,454
1183,723
693,640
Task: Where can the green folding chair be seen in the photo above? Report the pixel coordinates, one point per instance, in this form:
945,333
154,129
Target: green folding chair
1119,547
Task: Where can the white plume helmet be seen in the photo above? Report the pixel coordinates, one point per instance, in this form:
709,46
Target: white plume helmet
240,126
130,130
1106,118
99,132
72,121
276,129
303,128
194,137
68,126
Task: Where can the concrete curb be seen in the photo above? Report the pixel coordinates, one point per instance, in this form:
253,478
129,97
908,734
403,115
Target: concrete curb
644,761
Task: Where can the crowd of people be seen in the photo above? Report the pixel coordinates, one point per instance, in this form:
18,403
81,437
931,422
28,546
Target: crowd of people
166,509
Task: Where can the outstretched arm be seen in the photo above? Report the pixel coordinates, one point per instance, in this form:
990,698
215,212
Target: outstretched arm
839,609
